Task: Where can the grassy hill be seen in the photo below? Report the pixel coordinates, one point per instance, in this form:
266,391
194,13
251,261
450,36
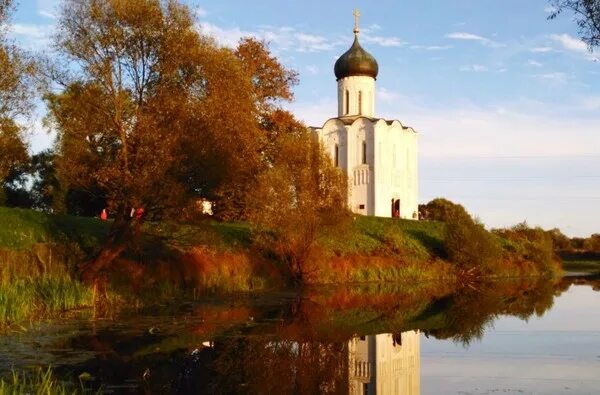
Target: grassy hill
21,229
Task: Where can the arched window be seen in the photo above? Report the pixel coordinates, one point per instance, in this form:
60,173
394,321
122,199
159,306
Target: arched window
336,156
347,102
360,102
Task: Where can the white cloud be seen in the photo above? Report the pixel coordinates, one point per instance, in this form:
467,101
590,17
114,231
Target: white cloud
200,12
570,43
387,96
541,49
575,45
516,128
383,41
31,36
465,36
287,38
30,31
556,77
478,68
312,69
283,38
432,47
473,37
534,63
47,8
549,9
227,37
312,43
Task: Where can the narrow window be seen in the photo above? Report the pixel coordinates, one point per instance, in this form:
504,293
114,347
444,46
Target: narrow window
347,102
360,102
336,155
364,152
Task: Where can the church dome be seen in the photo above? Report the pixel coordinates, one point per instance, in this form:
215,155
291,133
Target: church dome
356,62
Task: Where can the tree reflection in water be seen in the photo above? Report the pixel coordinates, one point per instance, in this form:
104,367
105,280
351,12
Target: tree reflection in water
336,341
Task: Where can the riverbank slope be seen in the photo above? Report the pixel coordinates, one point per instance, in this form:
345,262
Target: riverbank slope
40,254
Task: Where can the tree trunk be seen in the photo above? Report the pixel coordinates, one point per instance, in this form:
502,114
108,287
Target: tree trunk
122,232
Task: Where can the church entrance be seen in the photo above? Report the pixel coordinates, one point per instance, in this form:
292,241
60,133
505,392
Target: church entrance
395,208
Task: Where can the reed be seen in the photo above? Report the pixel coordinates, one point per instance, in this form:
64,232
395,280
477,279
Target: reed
31,298
41,382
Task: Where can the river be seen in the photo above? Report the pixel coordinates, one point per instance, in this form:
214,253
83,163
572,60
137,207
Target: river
511,337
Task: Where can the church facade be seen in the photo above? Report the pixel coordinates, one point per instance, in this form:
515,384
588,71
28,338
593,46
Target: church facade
378,155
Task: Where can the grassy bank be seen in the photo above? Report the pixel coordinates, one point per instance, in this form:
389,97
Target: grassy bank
39,254
22,229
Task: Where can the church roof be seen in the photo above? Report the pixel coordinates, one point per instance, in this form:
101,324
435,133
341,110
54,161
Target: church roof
356,62
349,120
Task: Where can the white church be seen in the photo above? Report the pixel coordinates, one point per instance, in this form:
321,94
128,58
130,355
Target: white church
378,155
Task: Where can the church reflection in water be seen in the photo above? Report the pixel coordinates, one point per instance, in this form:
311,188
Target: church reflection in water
385,364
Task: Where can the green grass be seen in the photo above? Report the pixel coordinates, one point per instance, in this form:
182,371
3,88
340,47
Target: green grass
386,236
24,299
216,235
42,382
21,229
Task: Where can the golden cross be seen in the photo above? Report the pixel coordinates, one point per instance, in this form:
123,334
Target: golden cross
356,20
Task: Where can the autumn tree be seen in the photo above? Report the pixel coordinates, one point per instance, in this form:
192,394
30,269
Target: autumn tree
224,139
148,112
587,17
299,195
15,102
151,114
233,160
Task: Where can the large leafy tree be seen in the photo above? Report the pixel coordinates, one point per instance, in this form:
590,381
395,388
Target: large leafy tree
15,102
149,113
587,17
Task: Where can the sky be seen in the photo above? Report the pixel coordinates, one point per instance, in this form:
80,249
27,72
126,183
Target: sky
506,102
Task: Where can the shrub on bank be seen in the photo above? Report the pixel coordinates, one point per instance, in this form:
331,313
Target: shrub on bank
531,244
467,243
470,246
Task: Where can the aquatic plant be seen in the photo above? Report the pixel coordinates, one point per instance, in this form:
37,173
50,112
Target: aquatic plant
30,297
42,382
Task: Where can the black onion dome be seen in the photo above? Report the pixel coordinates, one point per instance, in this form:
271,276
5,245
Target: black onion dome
356,62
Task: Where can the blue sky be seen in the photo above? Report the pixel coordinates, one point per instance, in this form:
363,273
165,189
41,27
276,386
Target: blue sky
507,103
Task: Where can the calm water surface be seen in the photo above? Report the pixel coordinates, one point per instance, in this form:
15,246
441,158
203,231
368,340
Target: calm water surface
518,337
557,353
